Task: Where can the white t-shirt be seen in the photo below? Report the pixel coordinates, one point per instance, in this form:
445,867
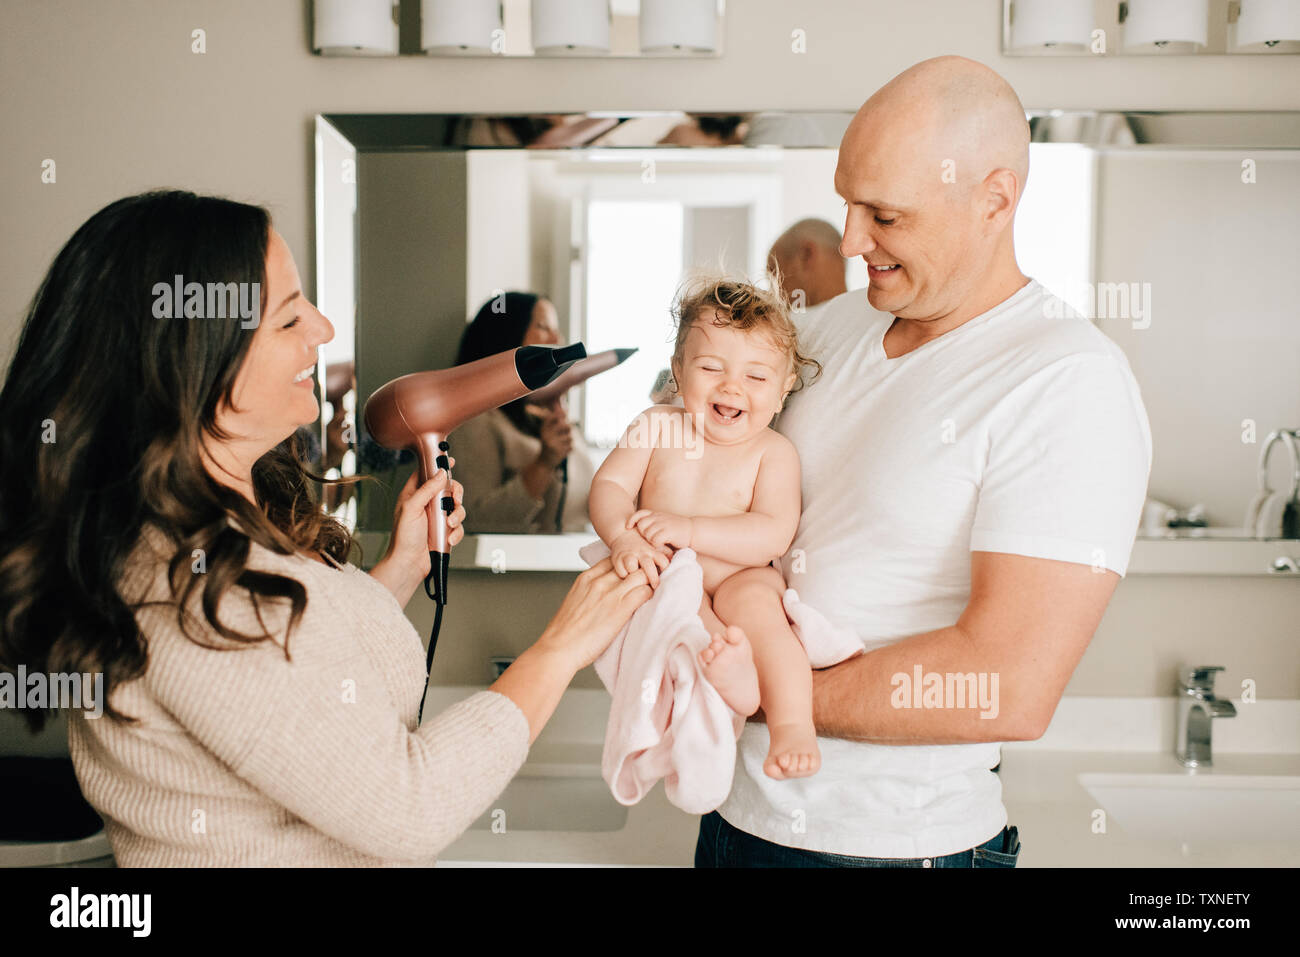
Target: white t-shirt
1014,432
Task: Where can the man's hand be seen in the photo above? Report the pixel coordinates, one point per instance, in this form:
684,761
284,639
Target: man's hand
662,528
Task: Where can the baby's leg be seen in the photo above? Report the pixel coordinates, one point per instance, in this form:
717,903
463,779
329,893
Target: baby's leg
728,662
752,600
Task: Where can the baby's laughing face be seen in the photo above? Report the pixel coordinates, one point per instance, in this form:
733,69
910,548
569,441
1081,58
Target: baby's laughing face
731,381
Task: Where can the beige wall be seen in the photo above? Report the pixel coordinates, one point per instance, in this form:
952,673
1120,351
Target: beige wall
113,94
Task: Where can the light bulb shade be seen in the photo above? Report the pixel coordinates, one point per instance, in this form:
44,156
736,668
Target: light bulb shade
1036,24
355,27
679,25
570,26
454,26
1266,21
1167,21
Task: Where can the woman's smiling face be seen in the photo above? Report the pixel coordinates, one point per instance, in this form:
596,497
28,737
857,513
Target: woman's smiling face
731,381
273,393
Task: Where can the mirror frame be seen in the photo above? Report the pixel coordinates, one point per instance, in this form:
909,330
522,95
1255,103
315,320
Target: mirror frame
757,129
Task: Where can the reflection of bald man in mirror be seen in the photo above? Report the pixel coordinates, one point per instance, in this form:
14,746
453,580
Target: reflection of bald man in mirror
973,475
807,258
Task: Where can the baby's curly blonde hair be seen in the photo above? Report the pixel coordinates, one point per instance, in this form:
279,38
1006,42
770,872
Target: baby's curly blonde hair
740,305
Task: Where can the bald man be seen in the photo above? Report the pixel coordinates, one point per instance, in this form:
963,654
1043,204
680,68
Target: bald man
973,475
808,260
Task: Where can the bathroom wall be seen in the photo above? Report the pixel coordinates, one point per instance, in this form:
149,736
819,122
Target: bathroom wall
113,94
1220,345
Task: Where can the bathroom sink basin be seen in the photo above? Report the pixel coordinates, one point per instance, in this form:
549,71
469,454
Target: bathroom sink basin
1200,808
549,803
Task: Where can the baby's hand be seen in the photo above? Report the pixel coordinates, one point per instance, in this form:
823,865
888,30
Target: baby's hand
662,528
630,551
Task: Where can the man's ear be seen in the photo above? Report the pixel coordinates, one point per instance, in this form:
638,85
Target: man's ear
999,198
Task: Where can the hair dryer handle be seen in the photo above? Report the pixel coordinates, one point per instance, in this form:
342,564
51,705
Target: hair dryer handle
433,456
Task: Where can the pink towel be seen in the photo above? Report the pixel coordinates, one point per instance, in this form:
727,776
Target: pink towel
665,719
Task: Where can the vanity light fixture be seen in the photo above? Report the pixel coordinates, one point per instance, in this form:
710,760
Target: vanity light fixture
568,27
679,25
460,27
1156,26
355,27
1050,25
1267,26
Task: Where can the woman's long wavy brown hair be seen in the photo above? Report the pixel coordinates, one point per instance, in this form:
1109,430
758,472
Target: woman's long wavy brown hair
101,418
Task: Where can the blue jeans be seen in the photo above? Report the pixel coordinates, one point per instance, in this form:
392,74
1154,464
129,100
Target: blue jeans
721,845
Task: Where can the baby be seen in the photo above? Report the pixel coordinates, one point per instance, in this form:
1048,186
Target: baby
714,478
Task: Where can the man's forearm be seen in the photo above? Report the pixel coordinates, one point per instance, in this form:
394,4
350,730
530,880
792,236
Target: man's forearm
961,696
748,539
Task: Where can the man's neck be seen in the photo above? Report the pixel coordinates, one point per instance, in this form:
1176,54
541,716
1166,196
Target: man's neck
904,334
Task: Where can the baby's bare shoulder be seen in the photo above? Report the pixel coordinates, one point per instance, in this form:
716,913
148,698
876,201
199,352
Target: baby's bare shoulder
777,446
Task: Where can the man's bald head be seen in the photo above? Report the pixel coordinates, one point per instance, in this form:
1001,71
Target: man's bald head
807,258
953,108
933,166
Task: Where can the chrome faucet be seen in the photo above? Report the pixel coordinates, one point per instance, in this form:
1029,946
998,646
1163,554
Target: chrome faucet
1197,708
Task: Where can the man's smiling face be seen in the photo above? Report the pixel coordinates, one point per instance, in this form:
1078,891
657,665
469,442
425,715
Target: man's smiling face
907,223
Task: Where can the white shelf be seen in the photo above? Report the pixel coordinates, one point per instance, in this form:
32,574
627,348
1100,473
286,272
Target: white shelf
1173,556
1212,556
505,553
522,553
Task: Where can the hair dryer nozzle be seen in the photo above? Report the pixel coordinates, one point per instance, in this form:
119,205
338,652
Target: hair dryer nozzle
578,373
538,365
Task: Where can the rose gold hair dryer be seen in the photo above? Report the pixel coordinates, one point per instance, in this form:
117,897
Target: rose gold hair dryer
418,412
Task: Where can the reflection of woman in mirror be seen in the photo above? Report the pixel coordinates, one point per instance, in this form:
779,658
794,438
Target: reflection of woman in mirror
511,460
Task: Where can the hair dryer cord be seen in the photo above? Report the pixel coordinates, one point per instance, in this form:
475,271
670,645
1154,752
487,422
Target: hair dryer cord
437,576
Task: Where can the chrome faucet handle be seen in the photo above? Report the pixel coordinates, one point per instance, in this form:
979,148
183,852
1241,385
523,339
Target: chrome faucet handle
1198,678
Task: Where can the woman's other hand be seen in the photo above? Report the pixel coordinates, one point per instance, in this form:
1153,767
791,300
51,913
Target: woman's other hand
598,605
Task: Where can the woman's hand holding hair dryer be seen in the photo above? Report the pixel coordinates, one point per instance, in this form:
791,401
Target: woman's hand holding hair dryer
599,603
406,563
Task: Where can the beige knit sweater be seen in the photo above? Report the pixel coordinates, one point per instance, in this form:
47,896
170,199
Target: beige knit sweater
242,757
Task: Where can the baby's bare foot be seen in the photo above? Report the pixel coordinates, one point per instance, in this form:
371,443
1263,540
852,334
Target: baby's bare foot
793,752
728,663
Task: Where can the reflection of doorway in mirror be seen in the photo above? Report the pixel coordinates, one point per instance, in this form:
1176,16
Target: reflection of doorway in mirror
638,241
634,261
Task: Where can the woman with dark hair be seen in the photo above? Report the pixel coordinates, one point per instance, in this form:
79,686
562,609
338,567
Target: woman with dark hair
159,528
526,469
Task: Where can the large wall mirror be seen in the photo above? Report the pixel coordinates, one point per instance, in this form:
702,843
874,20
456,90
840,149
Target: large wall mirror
1176,233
